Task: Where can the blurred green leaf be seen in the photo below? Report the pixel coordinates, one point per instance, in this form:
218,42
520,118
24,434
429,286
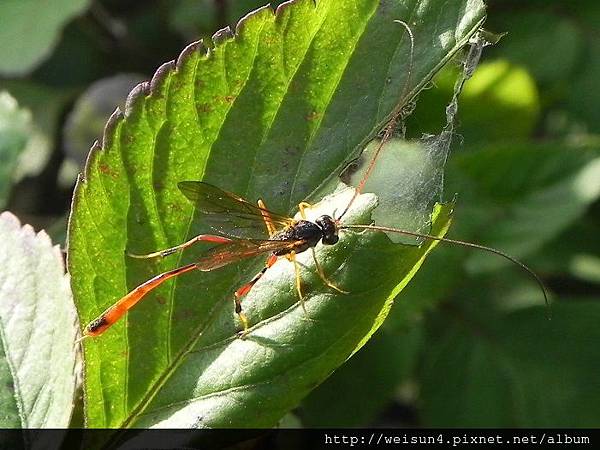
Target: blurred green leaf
583,98
274,113
192,18
15,125
46,106
57,230
574,252
520,196
38,326
32,28
520,370
90,112
558,44
586,267
359,390
81,41
445,266
499,103
548,44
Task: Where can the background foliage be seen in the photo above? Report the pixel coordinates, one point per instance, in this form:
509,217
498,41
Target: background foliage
468,343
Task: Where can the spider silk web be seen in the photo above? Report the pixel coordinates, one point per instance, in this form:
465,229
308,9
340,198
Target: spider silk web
408,177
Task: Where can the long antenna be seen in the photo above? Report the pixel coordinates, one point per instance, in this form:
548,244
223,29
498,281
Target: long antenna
391,125
461,243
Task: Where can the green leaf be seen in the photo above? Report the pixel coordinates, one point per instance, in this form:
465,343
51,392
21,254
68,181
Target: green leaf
47,107
32,28
532,33
574,252
520,370
499,103
273,112
91,110
583,97
551,186
38,326
14,134
370,379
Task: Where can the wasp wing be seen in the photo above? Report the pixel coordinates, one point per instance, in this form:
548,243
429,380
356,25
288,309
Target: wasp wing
238,249
228,212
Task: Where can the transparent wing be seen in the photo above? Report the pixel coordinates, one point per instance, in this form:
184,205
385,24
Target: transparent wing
228,212
238,249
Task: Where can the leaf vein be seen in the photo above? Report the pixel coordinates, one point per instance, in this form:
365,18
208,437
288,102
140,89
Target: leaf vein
319,120
154,388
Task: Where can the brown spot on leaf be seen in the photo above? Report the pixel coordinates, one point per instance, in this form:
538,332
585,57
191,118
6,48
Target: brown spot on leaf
174,207
183,314
313,115
204,108
105,169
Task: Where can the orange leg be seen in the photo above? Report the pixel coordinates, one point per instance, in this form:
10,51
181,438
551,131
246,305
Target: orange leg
247,287
302,206
267,218
192,241
292,257
322,274
119,309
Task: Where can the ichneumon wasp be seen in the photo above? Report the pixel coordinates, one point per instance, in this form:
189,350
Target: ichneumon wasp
286,237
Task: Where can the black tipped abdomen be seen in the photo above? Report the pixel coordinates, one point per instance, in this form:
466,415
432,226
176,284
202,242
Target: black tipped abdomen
97,327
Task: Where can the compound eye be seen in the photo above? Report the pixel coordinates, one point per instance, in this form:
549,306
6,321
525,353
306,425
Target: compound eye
331,239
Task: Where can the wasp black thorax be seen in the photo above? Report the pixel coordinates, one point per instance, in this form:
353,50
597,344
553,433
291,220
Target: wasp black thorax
310,233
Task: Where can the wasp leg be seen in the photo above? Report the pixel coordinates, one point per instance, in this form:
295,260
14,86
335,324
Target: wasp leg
292,257
245,289
192,241
119,309
267,218
322,274
303,206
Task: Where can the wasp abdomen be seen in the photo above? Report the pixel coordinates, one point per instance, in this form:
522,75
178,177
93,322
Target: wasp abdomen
303,230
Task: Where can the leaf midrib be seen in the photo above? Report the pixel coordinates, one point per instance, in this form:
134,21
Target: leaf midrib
245,386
